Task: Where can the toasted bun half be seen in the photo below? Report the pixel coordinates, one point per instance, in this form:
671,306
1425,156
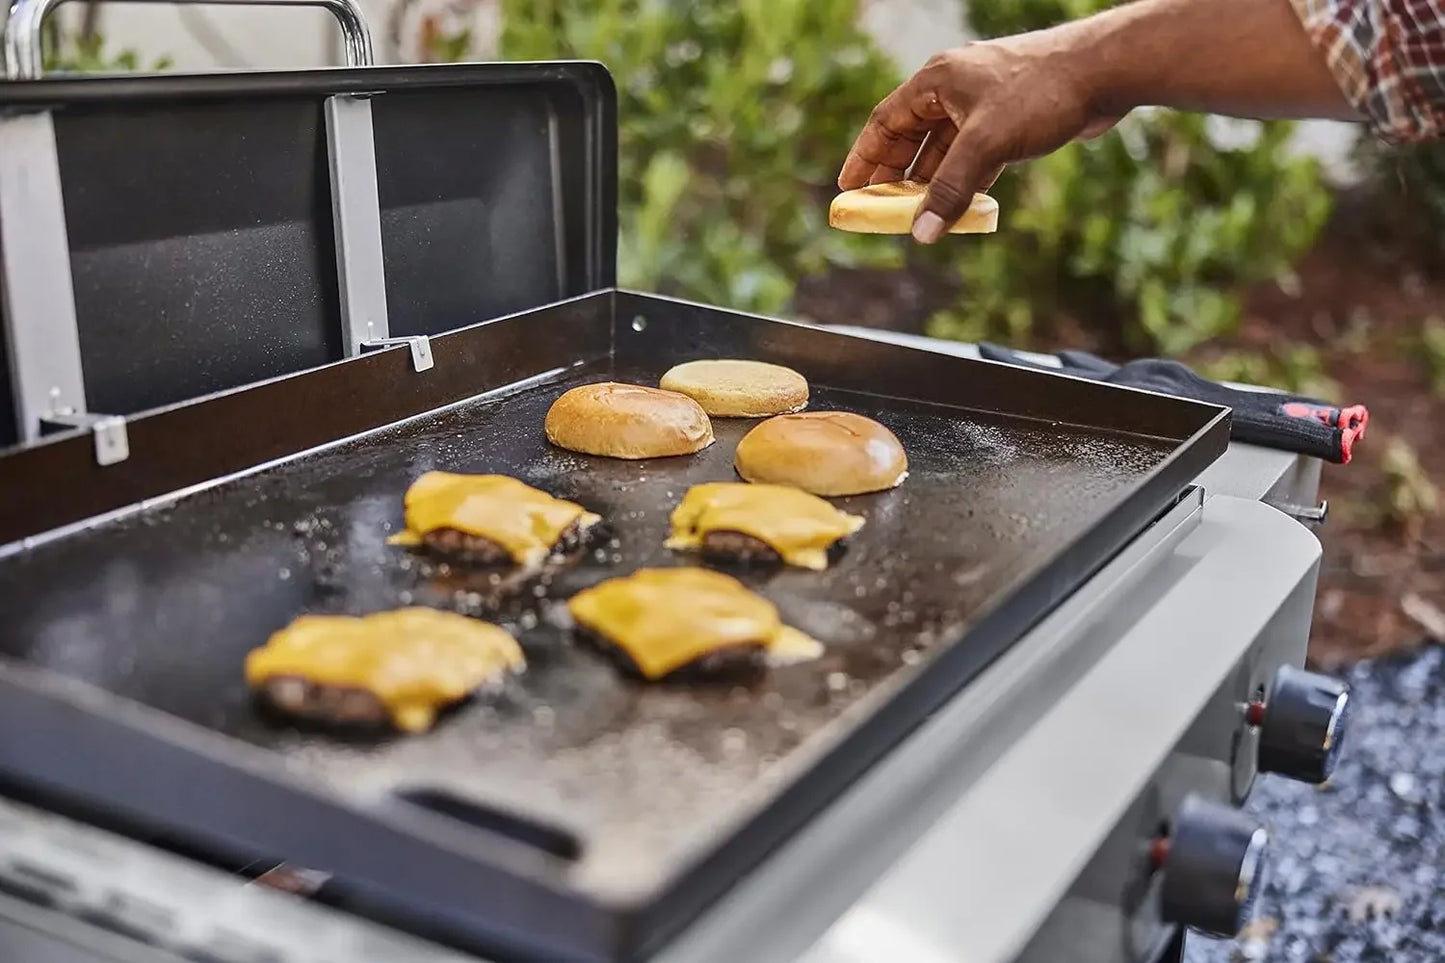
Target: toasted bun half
627,421
890,208
739,389
827,453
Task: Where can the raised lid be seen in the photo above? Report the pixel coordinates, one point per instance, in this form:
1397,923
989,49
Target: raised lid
199,212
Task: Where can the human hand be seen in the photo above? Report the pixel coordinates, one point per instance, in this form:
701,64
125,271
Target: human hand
970,111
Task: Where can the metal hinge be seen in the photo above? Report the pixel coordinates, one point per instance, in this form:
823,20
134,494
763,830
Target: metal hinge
420,346
112,442
1310,516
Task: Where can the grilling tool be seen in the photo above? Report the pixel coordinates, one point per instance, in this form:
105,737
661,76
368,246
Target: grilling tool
250,308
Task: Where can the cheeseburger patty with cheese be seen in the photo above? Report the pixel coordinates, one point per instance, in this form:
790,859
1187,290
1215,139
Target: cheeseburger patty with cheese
764,523
671,622
490,520
400,667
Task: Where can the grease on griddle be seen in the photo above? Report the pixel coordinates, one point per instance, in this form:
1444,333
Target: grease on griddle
687,623
399,667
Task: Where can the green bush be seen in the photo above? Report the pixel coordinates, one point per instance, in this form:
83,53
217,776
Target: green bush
65,53
1145,234
1410,181
735,116
1298,369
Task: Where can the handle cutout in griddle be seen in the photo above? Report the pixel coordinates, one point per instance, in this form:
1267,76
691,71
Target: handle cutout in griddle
552,840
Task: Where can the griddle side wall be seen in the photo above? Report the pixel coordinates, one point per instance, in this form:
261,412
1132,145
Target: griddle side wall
653,330
196,442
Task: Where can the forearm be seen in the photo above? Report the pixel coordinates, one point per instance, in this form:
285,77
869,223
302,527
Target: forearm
1245,58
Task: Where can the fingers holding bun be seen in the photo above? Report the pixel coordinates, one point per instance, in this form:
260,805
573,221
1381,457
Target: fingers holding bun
829,453
627,421
728,388
890,208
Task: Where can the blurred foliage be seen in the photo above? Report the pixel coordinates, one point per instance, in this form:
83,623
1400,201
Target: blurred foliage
1409,495
1298,369
77,53
1410,182
1150,228
1432,353
447,48
735,117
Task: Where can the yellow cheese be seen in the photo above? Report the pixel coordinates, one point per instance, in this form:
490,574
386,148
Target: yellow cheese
414,660
525,522
666,618
798,526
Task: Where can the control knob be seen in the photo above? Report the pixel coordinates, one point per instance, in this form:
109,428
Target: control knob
1212,862
1302,721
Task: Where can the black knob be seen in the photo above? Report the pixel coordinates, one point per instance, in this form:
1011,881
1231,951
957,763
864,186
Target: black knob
1302,723
1213,867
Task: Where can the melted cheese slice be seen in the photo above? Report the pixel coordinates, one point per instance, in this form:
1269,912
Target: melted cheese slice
525,522
666,618
414,660
798,526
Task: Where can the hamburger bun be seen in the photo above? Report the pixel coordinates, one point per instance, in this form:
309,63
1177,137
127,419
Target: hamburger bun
829,453
739,389
890,208
627,421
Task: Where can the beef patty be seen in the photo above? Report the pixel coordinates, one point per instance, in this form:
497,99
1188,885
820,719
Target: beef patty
301,699
339,709
734,664
456,545
735,548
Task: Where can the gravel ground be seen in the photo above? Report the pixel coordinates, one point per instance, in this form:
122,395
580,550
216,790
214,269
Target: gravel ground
1357,870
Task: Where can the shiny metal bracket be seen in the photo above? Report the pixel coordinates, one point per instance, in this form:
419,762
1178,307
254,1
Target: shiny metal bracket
420,345
41,333
1310,516
112,442
356,215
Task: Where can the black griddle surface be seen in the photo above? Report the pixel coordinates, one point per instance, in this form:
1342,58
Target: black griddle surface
161,607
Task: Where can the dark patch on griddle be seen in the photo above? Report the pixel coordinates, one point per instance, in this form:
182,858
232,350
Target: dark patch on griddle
734,665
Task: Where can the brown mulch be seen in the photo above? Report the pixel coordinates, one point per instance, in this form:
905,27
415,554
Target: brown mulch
1359,301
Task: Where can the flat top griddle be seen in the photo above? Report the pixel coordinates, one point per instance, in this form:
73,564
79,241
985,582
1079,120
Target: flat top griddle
162,607
632,804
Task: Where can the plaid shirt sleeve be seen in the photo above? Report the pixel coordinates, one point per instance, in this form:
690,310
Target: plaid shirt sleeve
1389,59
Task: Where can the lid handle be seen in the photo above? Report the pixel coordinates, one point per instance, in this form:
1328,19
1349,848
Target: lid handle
23,59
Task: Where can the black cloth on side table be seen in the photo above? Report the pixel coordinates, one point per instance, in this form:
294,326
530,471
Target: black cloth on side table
1272,419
